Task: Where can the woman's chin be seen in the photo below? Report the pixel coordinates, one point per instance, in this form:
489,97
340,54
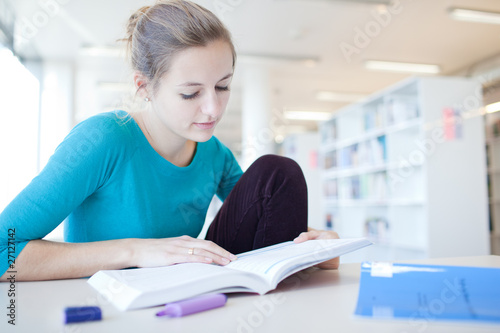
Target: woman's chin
202,137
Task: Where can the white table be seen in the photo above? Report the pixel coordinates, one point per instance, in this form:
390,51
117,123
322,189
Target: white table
310,301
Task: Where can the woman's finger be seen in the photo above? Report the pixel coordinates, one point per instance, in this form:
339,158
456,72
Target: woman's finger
198,254
203,248
307,235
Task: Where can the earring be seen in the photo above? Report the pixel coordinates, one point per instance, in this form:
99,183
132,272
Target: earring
147,99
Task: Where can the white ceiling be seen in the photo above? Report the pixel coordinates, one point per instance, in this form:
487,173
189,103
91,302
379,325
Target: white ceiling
417,31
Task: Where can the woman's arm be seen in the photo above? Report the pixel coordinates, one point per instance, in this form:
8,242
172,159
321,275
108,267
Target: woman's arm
47,260
76,169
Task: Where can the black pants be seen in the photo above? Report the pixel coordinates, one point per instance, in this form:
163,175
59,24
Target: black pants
267,206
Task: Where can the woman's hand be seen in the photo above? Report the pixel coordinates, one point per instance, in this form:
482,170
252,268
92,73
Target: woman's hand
169,251
320,234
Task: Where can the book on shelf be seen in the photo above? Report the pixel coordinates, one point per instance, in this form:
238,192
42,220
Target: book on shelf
377,229
330,160
495,128
372,152
400,109
371,186
258,271
330,189
329,131
423,293
373,119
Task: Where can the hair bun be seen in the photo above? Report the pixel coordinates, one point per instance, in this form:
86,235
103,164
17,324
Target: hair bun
132,22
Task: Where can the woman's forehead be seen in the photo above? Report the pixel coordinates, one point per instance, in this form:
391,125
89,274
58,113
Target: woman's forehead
195,65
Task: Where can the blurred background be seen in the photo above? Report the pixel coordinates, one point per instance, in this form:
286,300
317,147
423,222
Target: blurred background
303,66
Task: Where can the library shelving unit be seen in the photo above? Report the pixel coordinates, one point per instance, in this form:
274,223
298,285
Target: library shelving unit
406,168
492,121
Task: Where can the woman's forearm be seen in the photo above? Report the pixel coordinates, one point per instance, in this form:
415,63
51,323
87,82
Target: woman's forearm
47,260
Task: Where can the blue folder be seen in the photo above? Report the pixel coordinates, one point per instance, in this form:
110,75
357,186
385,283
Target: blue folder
429,292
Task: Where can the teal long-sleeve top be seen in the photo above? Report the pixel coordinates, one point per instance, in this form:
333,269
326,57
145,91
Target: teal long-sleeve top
107,182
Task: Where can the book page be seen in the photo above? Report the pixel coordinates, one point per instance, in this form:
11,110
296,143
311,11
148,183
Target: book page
274,262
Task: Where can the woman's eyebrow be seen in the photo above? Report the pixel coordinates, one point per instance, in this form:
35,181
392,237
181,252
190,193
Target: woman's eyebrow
226,77
192,84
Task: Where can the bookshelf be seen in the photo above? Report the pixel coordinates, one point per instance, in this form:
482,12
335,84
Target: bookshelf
406,168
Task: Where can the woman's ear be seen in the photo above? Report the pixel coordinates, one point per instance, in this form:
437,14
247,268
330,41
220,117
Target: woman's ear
141,85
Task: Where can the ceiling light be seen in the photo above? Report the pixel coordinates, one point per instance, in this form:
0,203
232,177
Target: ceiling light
308,115
331,96
472,15
494,107
362,2
272,59
402,67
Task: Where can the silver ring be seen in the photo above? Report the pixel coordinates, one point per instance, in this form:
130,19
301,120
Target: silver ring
191,250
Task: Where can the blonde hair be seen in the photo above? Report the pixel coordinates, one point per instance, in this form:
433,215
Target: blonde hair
155,34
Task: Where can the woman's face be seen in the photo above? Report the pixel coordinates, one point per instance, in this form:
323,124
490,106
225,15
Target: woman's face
193,94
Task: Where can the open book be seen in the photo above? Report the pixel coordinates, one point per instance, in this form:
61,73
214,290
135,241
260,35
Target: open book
257,271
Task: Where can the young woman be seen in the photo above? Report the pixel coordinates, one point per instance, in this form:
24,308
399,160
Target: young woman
135,186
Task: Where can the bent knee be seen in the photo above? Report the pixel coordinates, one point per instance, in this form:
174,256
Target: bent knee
282,163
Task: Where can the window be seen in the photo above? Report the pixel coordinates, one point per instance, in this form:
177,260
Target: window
19,126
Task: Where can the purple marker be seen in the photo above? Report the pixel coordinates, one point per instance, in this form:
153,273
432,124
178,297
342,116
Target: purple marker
193,305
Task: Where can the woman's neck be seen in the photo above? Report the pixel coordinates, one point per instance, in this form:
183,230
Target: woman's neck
175,149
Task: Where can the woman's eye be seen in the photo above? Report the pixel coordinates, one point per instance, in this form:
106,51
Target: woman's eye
192,96
226,88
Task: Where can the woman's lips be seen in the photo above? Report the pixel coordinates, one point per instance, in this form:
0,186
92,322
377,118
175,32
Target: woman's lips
206,126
